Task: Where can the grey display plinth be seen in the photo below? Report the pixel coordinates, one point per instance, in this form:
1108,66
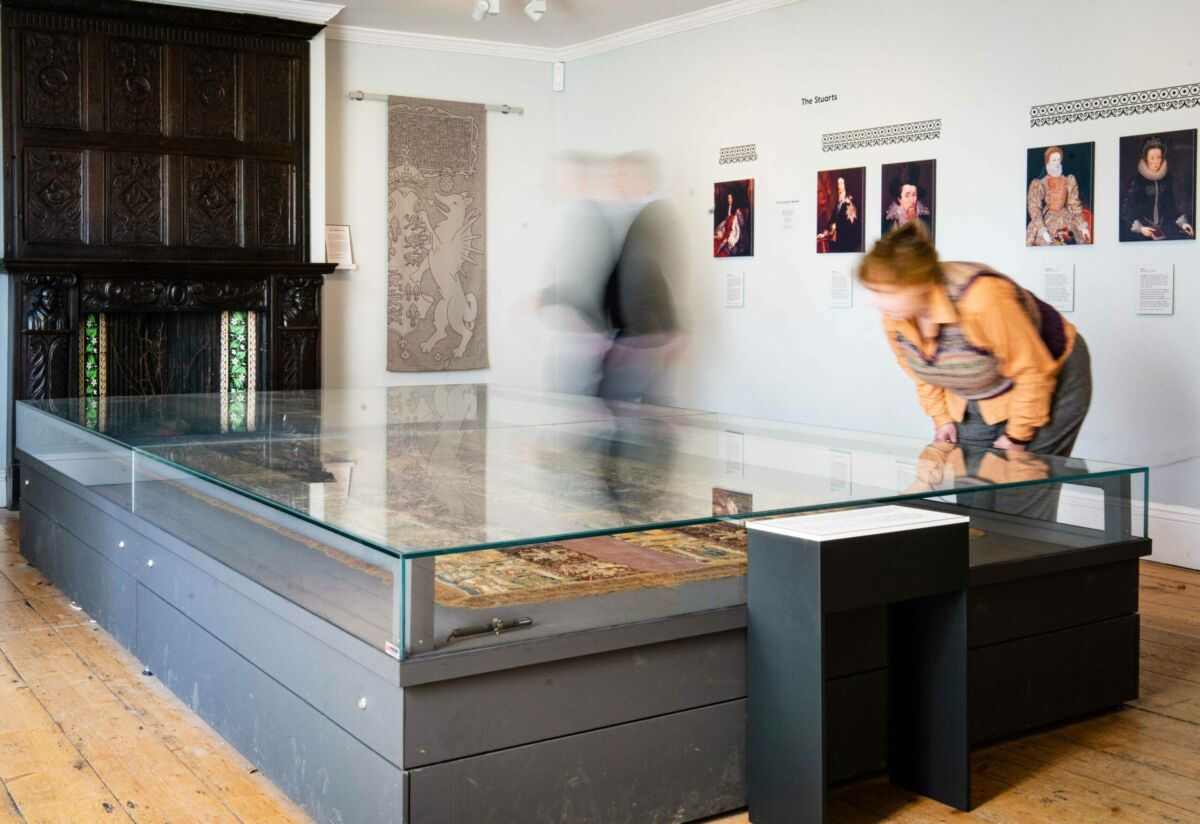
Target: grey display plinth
803,570
503,735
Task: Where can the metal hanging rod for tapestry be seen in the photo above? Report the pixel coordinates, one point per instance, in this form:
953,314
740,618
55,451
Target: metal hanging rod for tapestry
503,108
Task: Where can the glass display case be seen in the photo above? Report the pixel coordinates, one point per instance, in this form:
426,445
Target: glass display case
420,519
466,561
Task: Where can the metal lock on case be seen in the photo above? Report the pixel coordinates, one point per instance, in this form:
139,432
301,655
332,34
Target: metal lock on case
497,626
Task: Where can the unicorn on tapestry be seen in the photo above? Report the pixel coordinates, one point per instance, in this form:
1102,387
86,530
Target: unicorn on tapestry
451,247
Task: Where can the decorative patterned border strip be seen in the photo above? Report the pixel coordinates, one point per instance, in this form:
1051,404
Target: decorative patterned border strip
1116,105
882,135
739,154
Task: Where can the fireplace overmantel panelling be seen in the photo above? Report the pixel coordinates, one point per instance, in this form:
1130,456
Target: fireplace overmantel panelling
156,163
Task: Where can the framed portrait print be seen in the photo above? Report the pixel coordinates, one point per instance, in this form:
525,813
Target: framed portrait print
840,210
1058,199
1158,186
733,218
909,193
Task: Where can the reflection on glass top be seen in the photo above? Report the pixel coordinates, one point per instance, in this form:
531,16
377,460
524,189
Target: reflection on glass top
429,469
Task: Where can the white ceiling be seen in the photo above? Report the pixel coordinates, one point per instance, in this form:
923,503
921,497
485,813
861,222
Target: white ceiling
566,23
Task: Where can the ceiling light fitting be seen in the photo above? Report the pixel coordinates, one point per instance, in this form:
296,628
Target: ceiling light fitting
482,8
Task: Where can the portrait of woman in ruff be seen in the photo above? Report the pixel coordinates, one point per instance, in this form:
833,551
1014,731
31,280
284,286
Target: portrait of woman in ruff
908,194
1058,202
1158,186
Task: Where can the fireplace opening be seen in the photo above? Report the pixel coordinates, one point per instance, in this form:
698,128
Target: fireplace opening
163,353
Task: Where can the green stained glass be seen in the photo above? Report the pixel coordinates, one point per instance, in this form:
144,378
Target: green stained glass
91,356
237,364
239,352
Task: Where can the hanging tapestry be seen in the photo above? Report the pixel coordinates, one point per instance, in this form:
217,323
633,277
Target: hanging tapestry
436,292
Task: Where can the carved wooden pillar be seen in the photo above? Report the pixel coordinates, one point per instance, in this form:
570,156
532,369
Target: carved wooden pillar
296,332
48,357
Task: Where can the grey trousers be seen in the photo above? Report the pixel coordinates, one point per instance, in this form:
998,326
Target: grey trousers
1068,408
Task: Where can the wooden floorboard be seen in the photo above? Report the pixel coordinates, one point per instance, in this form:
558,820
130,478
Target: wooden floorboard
85,737
1140,763
43,773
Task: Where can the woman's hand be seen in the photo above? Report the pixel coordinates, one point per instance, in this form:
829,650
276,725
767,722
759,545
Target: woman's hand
946,433
1004,443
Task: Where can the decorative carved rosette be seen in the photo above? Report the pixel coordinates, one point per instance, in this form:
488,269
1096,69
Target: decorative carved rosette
134,86
53,202
135,198
211,92
52,75
211,210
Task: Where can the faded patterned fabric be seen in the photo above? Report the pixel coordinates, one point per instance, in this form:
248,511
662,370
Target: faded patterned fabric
964,369
591,566
436,235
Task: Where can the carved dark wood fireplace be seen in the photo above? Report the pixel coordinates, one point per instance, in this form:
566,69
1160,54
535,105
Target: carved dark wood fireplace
156,182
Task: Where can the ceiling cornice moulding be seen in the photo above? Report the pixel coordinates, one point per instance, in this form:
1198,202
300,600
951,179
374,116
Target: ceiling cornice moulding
722,13
434,42
464,45
306,11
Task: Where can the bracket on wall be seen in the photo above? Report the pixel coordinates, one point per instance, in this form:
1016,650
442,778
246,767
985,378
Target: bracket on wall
502,108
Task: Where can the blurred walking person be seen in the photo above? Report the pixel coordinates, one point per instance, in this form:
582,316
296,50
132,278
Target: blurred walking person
646,336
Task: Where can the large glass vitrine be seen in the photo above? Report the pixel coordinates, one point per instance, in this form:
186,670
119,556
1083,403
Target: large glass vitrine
443,518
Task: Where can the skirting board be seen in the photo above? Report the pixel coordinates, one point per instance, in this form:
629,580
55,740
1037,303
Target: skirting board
1176,533
1175,529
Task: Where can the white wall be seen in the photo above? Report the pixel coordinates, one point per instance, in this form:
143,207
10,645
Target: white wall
519,155
787,355
979,66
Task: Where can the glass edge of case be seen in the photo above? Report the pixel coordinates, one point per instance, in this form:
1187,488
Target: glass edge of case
1111,470
237,490
413,554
